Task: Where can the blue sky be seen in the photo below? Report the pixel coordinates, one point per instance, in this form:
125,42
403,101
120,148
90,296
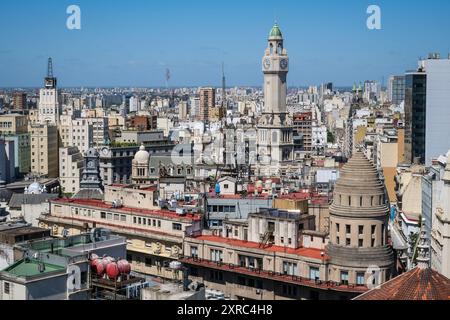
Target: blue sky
131,43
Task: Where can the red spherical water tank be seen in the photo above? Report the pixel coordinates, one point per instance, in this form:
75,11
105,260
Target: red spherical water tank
124,266
93,258
112,270
98,267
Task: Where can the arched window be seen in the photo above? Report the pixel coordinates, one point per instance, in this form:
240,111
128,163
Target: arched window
280,48
271,48
360,201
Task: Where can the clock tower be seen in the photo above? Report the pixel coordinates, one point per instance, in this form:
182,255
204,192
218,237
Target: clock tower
275,132
91,183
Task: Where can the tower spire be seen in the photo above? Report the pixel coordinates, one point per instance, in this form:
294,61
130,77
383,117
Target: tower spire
224,101
50,68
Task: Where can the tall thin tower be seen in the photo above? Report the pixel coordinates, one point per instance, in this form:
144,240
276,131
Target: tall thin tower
224,94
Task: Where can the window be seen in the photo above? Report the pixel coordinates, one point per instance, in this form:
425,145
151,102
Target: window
159,223
148,262
373,229
344,277
289,268
373,242
7,288
348,229
347,241
109,216
360,230
123,218
116,217
337,227
216,255
360,242
103,215
194,252
338,240
314,273
176,226
134,220
360,278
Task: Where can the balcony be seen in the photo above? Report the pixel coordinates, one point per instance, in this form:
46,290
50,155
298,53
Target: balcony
275,276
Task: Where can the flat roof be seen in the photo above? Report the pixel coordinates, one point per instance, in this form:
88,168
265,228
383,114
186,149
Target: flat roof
138,211
30,268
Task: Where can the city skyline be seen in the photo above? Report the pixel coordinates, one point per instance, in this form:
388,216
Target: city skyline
198,38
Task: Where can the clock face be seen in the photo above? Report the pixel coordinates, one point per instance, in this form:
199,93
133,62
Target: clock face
283,64
91,164
105,151
266,63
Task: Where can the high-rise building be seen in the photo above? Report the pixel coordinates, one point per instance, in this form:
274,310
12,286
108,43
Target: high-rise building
44,150
49,99
207,102
427,92
19,101
437,118
396,89
71,165
415,116
275,133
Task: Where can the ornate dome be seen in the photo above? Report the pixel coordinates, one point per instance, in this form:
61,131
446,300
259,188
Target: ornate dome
359,191
275,33
142,156
35,188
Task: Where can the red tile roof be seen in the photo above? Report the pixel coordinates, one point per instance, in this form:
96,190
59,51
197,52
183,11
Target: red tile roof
304,252
417,284
156,213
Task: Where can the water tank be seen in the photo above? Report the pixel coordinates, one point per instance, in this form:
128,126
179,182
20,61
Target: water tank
98,267
112,270
217,189
124,266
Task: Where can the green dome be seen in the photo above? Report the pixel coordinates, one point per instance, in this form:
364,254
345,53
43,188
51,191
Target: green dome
275,32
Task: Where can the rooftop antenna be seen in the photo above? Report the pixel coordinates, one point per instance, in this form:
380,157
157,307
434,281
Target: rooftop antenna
167,78
50,68
224,101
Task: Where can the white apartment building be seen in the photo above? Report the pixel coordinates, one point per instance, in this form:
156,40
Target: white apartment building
71,166
75,133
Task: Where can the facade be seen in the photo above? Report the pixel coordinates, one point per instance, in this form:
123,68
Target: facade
71,165
207,102
396,89
437,111
14,127
7,161
302,123
426,109
358,225
75,133
19,101
154,236
44,150
415,116
275,146
273,255
440,229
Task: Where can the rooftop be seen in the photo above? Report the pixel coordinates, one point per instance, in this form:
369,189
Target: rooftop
303,252
31,268
417,284
104,205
